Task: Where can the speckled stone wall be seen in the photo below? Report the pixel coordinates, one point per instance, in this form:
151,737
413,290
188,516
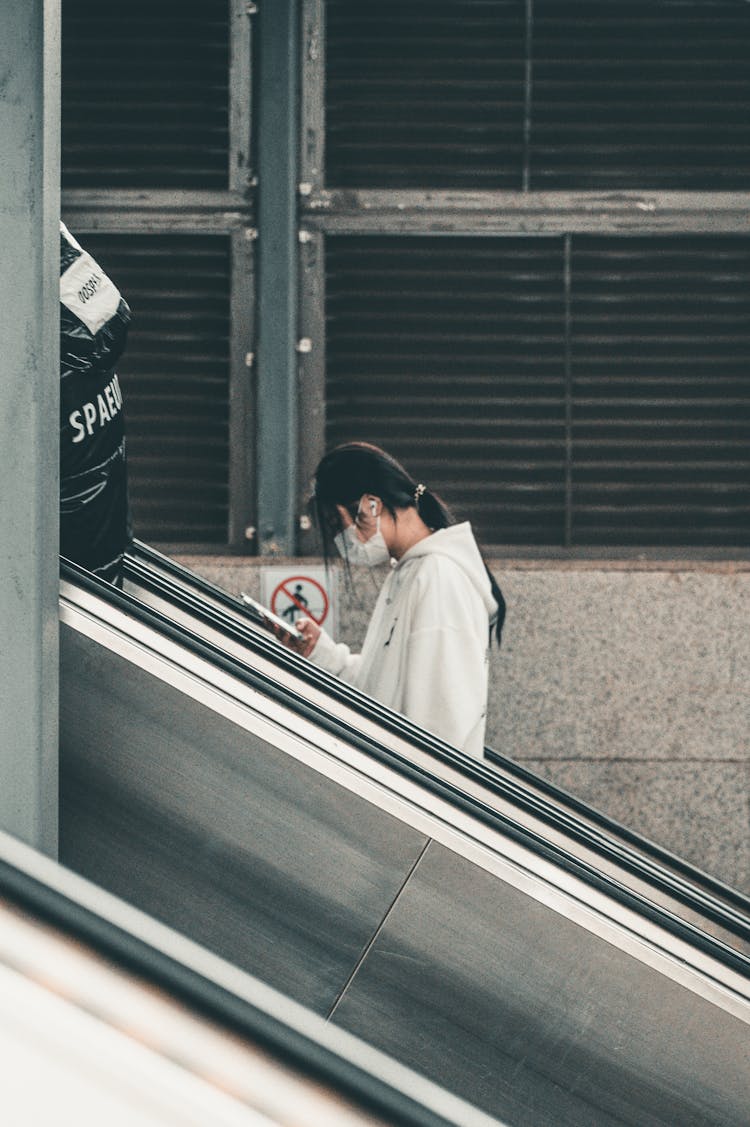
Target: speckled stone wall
626,684
630,688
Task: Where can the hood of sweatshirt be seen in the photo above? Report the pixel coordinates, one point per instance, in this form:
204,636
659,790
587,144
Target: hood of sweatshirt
458,544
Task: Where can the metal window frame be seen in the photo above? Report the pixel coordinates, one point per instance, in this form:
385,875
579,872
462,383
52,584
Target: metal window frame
328,211
242,392
312,377
400,211
278,377
312,98
229,212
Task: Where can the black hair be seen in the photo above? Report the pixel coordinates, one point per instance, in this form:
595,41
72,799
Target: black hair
349,471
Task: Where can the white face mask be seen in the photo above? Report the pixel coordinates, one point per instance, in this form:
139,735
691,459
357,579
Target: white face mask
362,553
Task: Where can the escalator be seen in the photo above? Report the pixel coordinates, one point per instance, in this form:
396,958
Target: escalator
219,617
108,1017
476,924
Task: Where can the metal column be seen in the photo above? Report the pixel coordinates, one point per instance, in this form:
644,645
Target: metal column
278,65
29,422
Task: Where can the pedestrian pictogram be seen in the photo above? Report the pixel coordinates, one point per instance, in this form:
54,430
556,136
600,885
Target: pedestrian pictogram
300,604
300,597
304,594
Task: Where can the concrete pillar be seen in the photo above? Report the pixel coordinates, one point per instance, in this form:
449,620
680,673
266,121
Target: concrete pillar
29,422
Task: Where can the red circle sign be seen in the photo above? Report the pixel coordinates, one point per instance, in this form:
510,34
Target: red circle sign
300,595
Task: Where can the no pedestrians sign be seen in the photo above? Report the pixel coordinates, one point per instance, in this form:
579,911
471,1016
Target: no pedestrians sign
304,592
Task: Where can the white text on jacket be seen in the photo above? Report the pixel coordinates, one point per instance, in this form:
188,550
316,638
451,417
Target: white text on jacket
97,412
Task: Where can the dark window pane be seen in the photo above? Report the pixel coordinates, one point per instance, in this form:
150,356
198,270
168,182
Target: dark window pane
425,94
175,380
145,94
591,94
645,94
449,352
661,391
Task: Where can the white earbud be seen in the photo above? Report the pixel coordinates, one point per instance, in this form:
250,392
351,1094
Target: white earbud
373,507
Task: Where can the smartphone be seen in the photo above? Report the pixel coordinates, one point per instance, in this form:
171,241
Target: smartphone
268,620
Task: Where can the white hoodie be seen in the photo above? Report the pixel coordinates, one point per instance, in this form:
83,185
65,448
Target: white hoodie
426,649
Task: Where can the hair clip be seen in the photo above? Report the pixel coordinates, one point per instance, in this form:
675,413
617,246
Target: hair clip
418,492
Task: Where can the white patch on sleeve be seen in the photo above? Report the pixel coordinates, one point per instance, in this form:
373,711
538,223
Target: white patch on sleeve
64,230
88,293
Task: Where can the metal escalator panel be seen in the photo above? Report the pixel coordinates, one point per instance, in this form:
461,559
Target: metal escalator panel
391,901
564,822
216,778
108,1017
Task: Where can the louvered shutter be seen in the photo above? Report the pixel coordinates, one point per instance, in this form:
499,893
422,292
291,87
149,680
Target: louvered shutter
660,345
598,396
449,352
145,95
652,94
590,94
175,380
421,94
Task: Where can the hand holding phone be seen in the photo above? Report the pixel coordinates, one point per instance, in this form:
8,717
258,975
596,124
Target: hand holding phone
310,631
286,632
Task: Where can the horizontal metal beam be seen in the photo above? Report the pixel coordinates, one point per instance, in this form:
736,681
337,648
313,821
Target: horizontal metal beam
363,211
199,212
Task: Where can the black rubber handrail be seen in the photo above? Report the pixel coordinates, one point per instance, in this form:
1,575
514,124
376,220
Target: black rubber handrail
485,812
556,807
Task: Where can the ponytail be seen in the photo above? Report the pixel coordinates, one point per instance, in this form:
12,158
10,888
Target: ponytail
436,514
431,508
496,625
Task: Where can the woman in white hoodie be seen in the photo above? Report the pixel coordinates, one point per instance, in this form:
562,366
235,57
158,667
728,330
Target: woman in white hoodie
425,653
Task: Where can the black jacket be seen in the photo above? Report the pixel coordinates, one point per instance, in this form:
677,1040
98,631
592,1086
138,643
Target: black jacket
94,319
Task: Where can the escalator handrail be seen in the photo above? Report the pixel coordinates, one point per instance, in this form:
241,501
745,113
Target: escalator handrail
555,806
482,810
